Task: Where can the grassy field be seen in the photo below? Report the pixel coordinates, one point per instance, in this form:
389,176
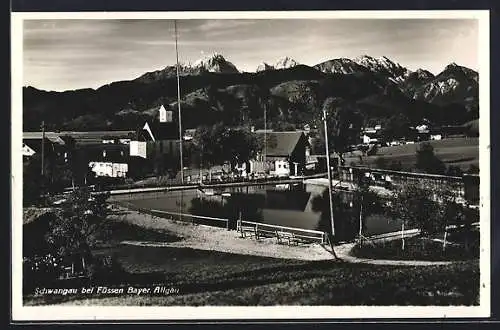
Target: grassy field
205,277
215,278
421,248
461,152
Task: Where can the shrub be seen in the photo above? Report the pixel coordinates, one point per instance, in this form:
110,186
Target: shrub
427,160
454,171
396,165
381,163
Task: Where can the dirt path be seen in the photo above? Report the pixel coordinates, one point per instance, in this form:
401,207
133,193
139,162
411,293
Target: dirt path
217,239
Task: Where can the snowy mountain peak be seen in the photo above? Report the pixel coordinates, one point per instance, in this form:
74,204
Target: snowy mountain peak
394,71
215,62
285,63
340,66
282,63
263,67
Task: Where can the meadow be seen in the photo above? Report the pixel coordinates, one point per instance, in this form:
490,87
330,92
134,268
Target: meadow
462,152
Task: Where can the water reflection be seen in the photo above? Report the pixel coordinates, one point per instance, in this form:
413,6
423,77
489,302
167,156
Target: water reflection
297,205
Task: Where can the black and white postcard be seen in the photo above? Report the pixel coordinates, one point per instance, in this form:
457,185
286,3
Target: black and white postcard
250,165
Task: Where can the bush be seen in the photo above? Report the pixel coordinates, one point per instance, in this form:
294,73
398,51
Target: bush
416,248
473,169
41,270
381,163
454,171
372,150
105,270
396,166
427,160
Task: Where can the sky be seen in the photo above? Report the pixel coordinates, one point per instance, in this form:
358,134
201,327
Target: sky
88,53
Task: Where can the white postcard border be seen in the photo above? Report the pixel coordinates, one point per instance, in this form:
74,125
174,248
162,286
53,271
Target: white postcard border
58,313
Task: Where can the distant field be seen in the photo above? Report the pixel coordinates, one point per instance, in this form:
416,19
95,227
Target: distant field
461,152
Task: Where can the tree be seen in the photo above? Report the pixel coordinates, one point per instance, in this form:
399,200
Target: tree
454,171
449,211
381,163
413,206
427,160
240,145
364,148
282,126
344,124
32,180
218,144
318,146
209,142
398,126
473,169
372,150
396,166
78,225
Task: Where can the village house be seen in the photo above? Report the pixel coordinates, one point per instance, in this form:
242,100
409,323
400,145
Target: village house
53,145
285,154
160,136
109,160
369,138
371,135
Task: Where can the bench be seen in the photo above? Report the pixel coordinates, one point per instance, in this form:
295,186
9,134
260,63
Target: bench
286,236
250,230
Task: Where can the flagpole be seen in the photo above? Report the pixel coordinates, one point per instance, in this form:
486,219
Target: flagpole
179,104
181,206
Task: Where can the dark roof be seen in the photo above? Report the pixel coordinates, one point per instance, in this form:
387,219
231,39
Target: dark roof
95,137
50,136
161,131
281,143
81,138
36,145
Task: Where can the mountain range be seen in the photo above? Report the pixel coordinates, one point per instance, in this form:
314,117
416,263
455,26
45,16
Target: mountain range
213,89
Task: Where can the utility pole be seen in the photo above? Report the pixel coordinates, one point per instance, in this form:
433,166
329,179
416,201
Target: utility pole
330,188
43,146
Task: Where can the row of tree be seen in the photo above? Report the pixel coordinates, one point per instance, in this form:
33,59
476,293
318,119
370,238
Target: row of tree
414,206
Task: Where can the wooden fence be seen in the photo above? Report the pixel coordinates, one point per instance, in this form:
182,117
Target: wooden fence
259,230
255,229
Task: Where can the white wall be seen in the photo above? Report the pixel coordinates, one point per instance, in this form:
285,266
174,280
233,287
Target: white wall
114,170
281,168
436,137
138,148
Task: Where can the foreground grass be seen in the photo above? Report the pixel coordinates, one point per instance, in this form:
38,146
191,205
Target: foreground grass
420,248
215,278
